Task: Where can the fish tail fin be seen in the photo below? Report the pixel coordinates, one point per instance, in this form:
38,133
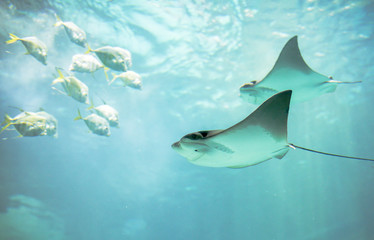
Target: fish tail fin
106,73
7,122
7,119
114,78
89,49
79,117
13,39
58,21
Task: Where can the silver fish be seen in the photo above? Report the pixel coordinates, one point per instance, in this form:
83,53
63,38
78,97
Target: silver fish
95,123
73,87
75,34
50,124
34,47
129,78
115,58
108,112
85,63
27,125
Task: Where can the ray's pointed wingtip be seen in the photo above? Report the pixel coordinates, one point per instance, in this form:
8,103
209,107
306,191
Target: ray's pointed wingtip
282,98
293,39
287,93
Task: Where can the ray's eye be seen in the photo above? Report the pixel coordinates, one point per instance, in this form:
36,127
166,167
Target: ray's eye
194,136
249,85
204,133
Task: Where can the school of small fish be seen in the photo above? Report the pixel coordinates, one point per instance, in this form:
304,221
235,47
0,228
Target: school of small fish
102,117
290,72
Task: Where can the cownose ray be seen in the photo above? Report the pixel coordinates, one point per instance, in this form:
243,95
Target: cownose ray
259,137
290,72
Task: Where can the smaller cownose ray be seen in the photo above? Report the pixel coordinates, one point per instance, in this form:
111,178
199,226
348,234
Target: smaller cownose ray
290,72
259,137
33,45
75,34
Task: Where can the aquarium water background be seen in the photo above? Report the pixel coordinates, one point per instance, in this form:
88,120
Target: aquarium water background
193,56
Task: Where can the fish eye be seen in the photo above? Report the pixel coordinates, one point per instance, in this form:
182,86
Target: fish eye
330,77
196,150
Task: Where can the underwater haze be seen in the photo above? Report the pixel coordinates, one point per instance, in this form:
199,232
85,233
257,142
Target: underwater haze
193,56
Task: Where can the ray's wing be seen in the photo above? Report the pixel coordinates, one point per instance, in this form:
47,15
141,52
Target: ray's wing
272,116
290,57
291,72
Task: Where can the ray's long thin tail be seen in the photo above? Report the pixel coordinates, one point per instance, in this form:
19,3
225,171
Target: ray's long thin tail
336,81
328,154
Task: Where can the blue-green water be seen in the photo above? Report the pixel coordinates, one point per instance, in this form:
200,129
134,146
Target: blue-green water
193,56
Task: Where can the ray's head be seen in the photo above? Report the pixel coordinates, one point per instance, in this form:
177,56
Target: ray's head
249,89
255,94
191,146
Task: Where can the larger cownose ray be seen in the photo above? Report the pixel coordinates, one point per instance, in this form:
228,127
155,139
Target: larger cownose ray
259,137
290,72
